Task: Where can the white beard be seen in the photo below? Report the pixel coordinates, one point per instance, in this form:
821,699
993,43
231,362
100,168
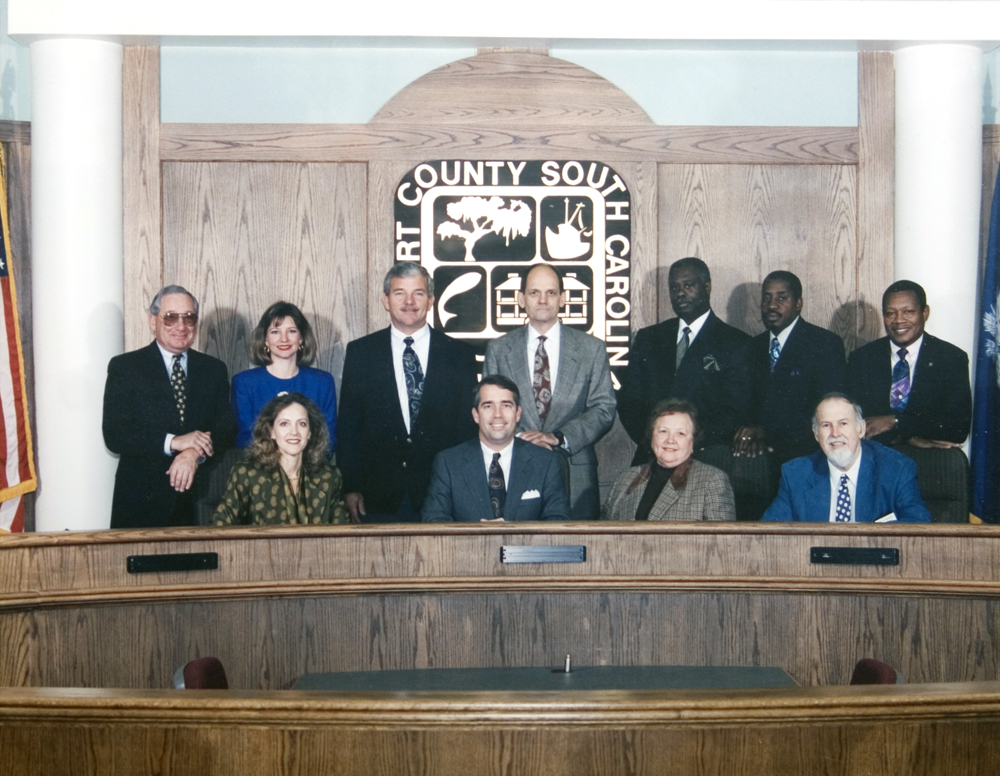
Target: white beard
841,457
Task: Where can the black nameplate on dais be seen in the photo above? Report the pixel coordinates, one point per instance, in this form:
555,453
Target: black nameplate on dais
176,561
568,553
855,556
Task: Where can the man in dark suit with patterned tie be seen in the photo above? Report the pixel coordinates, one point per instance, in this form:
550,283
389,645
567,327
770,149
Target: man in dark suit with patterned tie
695,357
166,413
496,476
912,386
793,364
406,394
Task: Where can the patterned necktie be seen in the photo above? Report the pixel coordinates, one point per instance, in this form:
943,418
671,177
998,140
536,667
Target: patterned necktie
541,380
498,488
414,377
682,347
899,394
843,514
178,381
775,352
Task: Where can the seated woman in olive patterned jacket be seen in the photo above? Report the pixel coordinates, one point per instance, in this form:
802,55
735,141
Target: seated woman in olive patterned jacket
673,486
285,478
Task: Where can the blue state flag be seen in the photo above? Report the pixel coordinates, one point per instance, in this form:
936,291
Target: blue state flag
986,414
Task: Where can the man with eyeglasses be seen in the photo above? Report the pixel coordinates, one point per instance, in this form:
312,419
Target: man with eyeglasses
166,410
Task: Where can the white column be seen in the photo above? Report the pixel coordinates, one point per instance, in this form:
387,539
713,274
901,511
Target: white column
939,162
76,233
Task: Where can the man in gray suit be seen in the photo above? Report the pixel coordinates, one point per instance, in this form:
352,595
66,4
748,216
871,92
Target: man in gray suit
567,373
496,476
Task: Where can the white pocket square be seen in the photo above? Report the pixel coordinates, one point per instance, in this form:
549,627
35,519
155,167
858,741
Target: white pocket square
889,518
530,494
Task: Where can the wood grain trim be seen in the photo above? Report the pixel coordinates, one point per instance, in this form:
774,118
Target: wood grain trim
15,132
156,535
589,709
142,187
491,584
876,187
374,142
991,133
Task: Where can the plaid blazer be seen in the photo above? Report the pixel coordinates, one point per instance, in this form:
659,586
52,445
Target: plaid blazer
695,492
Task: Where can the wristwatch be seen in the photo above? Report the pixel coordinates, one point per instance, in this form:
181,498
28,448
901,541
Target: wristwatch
559,435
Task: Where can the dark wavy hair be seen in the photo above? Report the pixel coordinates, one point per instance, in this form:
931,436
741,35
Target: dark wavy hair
263,449
673,407
273,315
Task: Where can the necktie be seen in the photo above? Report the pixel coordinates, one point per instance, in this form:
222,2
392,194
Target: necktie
682,347
178,381
899,394
541,380
414,377
843,514
498,488
775,352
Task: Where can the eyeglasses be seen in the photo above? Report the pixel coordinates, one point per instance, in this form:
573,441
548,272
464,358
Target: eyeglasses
172,319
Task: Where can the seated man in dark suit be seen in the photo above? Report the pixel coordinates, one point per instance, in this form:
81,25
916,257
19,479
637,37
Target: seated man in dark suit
912,387
166,410
496,476
848,480
695,357
793,364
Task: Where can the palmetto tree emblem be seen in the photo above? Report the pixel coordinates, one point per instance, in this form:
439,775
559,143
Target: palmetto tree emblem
991,328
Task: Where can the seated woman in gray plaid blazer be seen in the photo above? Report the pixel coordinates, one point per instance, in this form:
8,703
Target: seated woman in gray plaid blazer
674,486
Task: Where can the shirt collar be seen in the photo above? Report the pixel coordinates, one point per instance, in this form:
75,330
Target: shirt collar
418,336
168,357
782,336
695,326
552,335
912,350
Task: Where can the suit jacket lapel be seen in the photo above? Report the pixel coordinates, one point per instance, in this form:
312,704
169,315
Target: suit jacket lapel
866,493
817,496
161,381
474,472
515,357
667,498
694,358
519,463
383,375
790,352
569,368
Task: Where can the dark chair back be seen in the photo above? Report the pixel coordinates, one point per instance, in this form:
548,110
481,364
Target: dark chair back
870,671
205,673
943,479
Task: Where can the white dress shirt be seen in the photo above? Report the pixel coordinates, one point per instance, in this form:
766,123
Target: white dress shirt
421,346
782,336
852,486
168,362
695,327
505,458
552,340
912,352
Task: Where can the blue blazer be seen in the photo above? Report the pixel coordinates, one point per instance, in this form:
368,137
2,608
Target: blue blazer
887,482
459,491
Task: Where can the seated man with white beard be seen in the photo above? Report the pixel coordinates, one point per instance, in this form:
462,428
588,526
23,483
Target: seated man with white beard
849,480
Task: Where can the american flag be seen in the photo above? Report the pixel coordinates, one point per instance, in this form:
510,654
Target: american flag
17,466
